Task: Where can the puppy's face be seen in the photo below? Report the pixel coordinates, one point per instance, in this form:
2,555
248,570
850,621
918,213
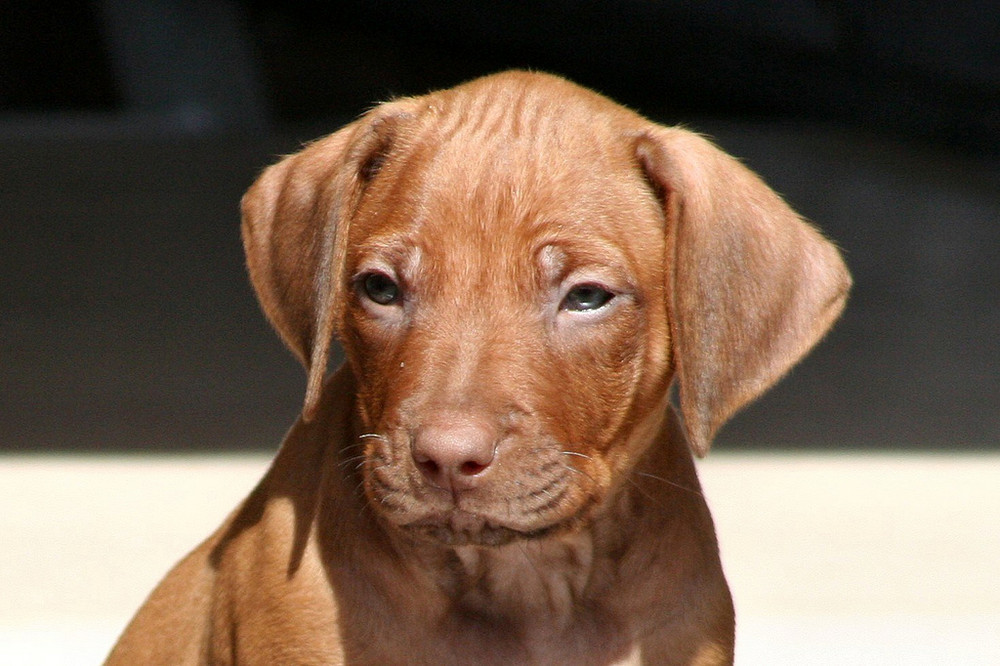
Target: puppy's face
505,320
516,268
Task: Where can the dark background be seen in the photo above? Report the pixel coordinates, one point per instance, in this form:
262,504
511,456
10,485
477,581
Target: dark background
130,128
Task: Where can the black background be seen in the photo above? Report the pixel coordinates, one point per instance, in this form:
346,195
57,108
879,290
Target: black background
129,129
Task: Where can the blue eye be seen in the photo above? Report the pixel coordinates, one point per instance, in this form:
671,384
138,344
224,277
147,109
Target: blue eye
380,288
586,297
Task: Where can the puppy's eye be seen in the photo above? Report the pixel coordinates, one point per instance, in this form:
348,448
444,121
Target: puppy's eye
585,297
380,288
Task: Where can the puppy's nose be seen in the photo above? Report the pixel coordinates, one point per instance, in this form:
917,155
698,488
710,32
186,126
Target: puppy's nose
454,450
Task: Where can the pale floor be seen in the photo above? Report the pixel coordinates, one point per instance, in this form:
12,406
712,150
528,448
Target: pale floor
833,559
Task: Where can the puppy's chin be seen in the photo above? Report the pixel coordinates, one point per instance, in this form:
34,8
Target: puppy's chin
460,528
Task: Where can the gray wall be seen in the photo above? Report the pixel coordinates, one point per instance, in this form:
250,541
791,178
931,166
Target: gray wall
126,322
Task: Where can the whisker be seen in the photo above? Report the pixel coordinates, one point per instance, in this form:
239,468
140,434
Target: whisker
360,460
576,453
364,507
574,469
531,560
642,491
351,449
668,482
580,471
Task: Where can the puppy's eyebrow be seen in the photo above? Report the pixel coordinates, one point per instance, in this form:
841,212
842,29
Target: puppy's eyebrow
384,242
552,260
559,255
392,250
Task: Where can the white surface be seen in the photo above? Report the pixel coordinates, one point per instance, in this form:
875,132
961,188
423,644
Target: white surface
833,559
856,559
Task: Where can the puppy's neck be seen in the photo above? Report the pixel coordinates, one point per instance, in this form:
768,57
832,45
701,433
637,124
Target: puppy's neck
545,578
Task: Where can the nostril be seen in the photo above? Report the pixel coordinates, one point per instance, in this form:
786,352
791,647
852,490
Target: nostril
471,468
434,470
429,467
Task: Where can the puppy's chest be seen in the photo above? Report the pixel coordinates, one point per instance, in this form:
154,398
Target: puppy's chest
524,605
590,637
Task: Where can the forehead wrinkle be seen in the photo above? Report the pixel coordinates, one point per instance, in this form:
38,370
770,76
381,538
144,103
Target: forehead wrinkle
478,205
510,113
506,221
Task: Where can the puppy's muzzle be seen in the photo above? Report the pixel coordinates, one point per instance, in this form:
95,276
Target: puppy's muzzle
459,477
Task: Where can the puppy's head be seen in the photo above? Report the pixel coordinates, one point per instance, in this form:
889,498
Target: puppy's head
517,269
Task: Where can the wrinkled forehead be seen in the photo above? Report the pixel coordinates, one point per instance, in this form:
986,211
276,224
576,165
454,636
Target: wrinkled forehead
502,186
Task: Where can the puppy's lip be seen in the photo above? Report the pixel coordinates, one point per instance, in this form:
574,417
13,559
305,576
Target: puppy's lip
462,528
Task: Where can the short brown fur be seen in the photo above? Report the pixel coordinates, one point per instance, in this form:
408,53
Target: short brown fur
517,269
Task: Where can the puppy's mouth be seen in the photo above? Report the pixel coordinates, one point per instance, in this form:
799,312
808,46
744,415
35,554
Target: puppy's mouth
523,499
461,528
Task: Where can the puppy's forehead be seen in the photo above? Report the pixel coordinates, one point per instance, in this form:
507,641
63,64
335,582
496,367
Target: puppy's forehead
523,160
521,130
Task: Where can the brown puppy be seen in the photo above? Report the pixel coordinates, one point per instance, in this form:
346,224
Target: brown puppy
518,269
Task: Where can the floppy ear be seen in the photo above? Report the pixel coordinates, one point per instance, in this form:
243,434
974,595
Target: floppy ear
295,219
754,286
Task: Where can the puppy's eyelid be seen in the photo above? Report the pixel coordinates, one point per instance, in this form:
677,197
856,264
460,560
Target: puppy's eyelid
379,288
587,297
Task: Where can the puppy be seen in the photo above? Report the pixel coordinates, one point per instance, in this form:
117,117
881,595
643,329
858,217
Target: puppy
517,269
